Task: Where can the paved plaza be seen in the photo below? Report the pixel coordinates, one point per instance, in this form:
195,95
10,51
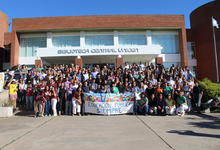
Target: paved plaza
122,132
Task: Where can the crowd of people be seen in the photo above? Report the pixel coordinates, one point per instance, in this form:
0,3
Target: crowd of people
58,90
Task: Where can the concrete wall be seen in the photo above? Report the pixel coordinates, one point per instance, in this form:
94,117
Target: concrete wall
4,98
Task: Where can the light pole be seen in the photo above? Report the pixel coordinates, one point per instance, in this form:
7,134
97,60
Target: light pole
215,24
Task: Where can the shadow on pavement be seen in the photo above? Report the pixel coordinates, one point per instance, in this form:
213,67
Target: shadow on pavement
25,113
210,122
192,133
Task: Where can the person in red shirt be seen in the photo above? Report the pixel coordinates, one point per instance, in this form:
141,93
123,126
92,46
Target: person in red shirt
47,94
38,104
77,101
29,97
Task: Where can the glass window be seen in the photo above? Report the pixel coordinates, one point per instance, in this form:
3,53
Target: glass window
131,39
30,45
66,41
191,50
169,64
170,43
99,40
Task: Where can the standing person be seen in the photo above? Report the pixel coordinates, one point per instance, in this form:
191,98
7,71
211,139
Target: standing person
177,91
150,89
197,95
38,104
85,89
29,97
62,99
170,105
77,101
188,96
22,92
54,98
13,93
47,95
167,89
68,98
181,104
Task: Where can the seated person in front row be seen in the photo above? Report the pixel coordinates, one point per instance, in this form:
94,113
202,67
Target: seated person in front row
142,105
182,106
153,104
170,105
161,105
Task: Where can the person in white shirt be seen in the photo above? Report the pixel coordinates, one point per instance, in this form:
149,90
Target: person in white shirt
22,87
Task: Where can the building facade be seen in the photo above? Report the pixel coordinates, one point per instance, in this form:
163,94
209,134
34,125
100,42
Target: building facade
201,38
103,39
4,46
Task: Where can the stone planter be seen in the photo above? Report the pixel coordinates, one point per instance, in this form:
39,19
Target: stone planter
6,111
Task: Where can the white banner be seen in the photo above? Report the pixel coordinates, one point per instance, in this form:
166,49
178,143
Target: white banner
109,108
104,50
2,79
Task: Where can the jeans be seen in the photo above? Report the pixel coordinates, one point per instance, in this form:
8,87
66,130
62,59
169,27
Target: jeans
68,108
47,111
144,110
83,109
29,102
21,97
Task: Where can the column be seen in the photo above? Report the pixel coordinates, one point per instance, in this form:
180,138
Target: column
118,61
183,47
82,39
115,33
79,61
49,40
148,37
14,58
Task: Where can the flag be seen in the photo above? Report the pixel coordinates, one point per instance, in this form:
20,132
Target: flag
214,23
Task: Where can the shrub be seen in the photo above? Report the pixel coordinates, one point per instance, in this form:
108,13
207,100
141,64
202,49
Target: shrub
211,89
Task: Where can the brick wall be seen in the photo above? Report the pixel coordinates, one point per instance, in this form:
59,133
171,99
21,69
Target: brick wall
201,27
101,21
3,27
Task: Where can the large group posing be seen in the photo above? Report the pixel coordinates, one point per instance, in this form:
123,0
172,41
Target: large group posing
58,90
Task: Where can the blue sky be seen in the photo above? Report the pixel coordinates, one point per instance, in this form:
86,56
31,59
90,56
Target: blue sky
44,8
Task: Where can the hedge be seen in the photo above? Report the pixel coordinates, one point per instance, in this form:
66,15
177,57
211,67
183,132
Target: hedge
210,88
